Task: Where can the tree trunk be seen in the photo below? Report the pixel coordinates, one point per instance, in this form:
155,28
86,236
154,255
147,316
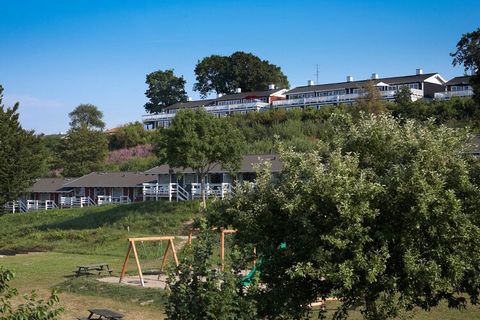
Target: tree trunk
202,187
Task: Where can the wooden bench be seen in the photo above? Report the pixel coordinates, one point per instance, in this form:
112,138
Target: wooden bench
85,270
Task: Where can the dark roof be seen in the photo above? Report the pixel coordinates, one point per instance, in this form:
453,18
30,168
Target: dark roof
50,185
232,96
459,80
248,95
360,83
247,165
111,179
190,104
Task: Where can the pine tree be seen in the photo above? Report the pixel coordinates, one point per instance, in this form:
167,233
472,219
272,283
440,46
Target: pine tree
21,154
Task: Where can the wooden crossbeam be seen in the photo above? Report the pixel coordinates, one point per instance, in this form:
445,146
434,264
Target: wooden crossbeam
151,239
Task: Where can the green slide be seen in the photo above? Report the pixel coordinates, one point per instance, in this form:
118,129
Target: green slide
247,280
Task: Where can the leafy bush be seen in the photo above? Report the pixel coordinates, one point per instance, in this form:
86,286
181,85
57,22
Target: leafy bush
32,309
201,292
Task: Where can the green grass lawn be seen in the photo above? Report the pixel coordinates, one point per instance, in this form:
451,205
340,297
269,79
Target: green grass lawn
101,230
90,235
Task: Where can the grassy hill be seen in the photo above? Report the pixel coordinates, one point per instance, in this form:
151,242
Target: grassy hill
94,230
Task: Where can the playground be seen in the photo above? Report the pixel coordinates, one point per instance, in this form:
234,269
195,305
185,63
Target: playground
64,240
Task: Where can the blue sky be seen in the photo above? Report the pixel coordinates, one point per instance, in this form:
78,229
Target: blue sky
55,55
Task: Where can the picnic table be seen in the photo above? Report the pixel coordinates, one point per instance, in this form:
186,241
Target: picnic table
103,314
91,268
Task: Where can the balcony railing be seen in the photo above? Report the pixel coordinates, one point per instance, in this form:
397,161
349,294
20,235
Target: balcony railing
72,202
220,190
336,99
41,205
172,191
15,206
102,199
219,109
450,94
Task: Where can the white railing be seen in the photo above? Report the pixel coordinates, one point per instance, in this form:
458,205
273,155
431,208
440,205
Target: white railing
167,190
41,205
102,199
15,206
228,108
158,117
450,94
221,190
335,99
218,109
80,202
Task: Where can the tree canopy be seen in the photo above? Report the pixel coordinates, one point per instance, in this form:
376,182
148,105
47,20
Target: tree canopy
164,89
468,54
83,151
22,155
129,135
87,115
85,146
199,140
223,74
383,215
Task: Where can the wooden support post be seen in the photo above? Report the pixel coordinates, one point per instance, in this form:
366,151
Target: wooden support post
222,250
165,257
222,245
189,241
139,267
124,268
174,252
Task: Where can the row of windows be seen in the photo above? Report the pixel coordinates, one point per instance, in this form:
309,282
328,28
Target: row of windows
460,88
350,91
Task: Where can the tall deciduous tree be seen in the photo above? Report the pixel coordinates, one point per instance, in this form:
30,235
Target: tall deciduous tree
222,74
87,115
164,89
468,54
85,147
83,151
21,154
384,217
199,140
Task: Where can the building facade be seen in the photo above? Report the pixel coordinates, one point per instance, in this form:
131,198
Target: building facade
223,105
420,84
456,87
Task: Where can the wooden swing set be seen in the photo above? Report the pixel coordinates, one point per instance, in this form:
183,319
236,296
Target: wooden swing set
170,246
132,247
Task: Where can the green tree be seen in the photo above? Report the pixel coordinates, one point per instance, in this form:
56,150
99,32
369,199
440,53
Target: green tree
371,100
403,97
199,140
22,155
128,136
468,54
223,74
32,309
87,115
198,291
164,89
385,216
83,151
